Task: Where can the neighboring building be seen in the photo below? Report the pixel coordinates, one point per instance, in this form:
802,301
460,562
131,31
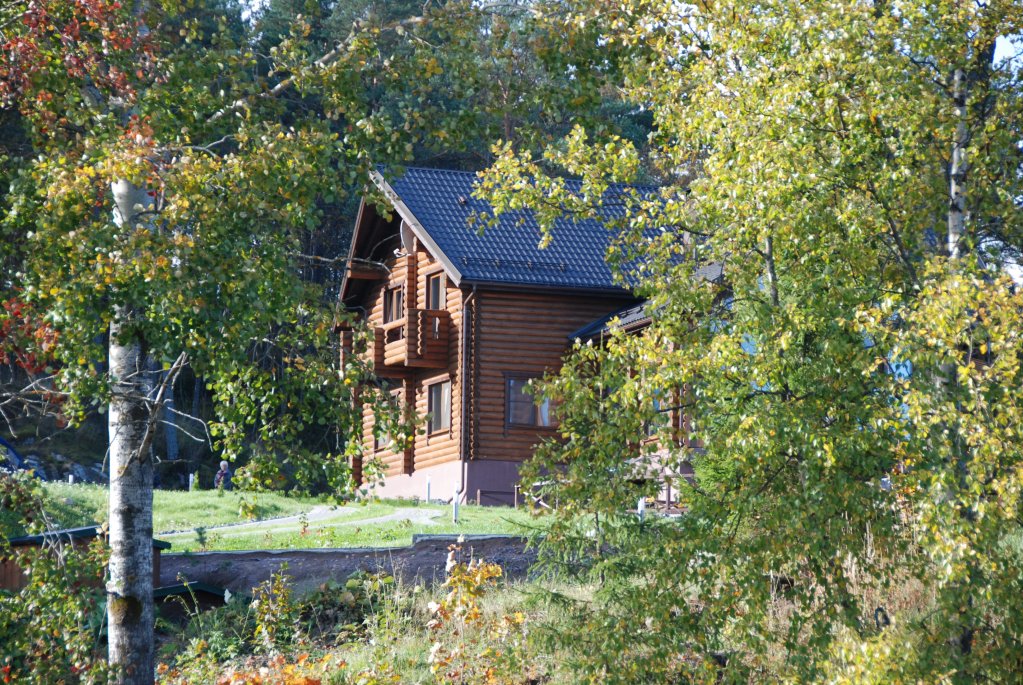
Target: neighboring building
176,600
657,463
462,320
13,579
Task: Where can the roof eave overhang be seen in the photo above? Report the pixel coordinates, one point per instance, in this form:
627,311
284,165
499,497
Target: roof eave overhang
343,291
417,228
559,289
631,329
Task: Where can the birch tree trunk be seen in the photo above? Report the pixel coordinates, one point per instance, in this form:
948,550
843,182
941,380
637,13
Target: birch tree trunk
130,584
958,169
965,85
955,234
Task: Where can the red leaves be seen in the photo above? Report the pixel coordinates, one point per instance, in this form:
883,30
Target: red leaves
25,339
64,44
139,132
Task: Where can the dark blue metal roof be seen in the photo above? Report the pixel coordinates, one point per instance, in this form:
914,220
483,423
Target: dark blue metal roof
637,315
626,318
509,253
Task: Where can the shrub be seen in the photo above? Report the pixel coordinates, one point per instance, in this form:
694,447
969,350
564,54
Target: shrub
50,629
277,670
471,646
277,614
209,638
339,612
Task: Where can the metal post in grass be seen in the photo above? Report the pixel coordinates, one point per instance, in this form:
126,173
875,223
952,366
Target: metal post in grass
454,506
641,508
427,489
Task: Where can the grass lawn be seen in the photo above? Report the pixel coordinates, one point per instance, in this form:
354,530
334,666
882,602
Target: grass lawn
375,524
190,520
80,505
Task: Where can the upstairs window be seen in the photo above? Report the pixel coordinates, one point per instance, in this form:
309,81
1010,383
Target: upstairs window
522,408
661,417
439,407
393,305
435,292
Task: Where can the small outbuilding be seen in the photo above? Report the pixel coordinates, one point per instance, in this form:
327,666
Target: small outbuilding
11,576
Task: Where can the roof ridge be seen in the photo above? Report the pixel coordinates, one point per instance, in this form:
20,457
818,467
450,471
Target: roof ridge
441,169
437,202
574,179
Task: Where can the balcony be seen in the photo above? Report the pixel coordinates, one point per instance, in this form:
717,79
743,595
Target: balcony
419,340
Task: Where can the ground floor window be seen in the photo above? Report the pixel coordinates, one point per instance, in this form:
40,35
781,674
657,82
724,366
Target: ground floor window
521,405
384,440
439,400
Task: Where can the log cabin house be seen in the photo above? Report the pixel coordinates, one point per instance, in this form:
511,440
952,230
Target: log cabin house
461,320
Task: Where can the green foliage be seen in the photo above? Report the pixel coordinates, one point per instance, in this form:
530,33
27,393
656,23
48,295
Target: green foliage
208,639
278,624
51,627
277,615
470,646
221,269
373,629
340,613
856,335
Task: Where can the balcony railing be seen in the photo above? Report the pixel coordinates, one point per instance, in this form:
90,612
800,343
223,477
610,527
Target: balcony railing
418,340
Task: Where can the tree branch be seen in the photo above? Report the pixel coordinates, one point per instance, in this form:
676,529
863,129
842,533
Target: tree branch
324,61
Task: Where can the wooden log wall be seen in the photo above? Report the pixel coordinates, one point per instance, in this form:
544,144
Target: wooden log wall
428,450
431,450
523,334
374,305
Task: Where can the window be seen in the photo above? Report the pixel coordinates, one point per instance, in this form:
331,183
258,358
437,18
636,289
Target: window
384,440
689,422
522,409
435,292
439,406
393,301
661,418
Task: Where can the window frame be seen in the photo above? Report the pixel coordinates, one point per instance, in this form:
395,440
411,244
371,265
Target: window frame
536,413
431,428
661,420
378,442
442,295
394,304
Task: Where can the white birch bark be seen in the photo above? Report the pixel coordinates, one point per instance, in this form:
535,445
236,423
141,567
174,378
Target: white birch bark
965,84
958,169
130,583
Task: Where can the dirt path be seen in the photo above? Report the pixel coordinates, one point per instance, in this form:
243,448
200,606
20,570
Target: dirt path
322,516
422,561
